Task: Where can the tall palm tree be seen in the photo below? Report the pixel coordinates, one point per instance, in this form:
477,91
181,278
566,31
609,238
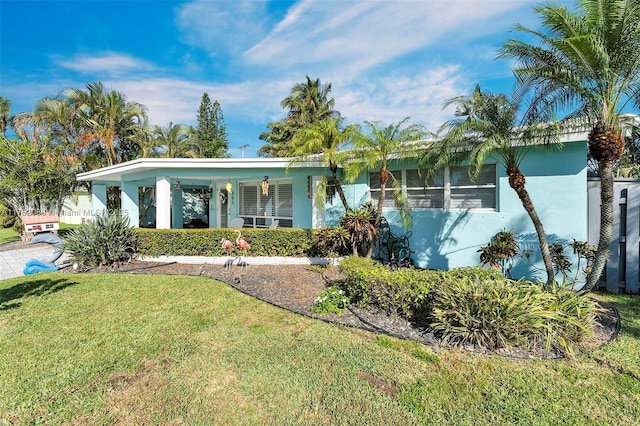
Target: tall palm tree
309,101
173,140
487,126
307,104
326,137
378,149
113,121
586,61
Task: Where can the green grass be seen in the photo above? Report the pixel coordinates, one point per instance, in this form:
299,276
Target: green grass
141,349
8,235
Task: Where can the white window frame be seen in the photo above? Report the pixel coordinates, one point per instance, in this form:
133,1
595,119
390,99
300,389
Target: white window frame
446,188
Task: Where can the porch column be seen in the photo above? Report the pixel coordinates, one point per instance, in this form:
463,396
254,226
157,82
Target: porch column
98,198
163,202
129,203
176,209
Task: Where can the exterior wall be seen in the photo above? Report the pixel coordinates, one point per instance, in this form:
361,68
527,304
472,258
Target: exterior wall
557,184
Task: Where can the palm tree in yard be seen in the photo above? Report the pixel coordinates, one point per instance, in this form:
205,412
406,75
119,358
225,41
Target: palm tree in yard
309,102
173,139
486,126
112,121
326,137
378,149
586,61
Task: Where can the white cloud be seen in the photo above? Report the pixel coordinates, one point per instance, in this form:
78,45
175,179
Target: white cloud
390,99
365,34
221,27
107,63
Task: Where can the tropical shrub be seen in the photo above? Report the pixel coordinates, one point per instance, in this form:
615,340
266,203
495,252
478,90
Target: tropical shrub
501,251
103,241
332,300
499,313
331,242
361,226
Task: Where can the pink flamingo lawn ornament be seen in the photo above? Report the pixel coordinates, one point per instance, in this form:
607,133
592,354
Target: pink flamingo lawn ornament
242,244
226,244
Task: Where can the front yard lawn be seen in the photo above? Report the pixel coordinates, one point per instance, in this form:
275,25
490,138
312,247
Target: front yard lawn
142,349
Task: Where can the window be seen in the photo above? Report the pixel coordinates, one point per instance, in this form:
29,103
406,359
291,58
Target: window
453,189
259,208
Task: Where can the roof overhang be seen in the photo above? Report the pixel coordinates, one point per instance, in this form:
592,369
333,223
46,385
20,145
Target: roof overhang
213,166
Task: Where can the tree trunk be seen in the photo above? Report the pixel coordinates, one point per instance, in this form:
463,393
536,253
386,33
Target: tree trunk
343,198
606,224
517,182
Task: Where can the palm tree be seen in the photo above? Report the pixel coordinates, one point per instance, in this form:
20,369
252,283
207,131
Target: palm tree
588,62
307,104
173,140
113,122
326,137
378,149
487,127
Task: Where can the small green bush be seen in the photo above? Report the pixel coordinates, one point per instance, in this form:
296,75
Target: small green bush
106,240
332,300
404,291
498,313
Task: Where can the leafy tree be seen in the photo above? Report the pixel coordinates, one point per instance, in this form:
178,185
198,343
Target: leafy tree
5,109
488,126
34,177
308,103
211,133
378,150
587,61
326,137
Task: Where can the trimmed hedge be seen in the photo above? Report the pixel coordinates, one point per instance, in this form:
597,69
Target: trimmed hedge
207,242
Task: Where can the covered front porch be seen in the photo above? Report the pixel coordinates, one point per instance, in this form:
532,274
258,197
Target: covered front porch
169,193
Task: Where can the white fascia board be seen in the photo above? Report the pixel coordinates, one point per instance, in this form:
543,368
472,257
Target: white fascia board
116,171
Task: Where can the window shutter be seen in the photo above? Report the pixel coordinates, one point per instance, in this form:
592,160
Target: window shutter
249,199
285,200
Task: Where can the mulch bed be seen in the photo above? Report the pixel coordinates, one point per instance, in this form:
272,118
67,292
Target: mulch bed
294,287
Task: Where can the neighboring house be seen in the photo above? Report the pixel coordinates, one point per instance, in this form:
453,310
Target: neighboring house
76,208
452,218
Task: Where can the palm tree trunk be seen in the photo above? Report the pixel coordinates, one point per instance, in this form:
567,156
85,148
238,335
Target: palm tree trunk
606,224
343,198
384,178
517,182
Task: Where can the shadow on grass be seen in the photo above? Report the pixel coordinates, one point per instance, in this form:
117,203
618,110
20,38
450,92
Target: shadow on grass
41,287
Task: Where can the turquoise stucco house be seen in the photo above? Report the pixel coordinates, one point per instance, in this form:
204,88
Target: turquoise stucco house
452,218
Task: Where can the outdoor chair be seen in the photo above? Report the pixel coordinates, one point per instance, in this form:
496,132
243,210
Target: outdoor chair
274,223
236,223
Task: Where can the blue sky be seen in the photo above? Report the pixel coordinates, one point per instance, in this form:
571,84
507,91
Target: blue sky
385,59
